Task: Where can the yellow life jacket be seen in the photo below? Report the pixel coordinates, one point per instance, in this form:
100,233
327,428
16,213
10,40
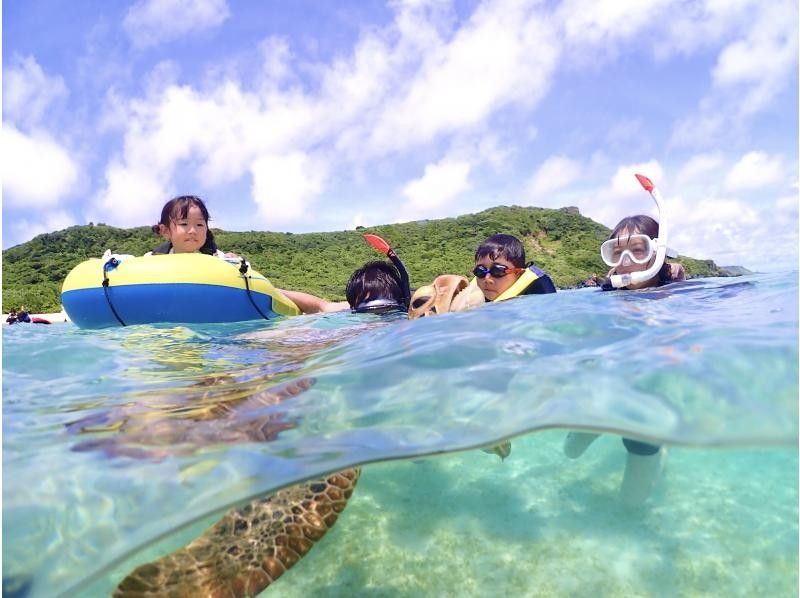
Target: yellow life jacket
529,277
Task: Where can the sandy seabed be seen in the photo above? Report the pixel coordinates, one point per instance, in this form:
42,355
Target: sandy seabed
539,524
720,523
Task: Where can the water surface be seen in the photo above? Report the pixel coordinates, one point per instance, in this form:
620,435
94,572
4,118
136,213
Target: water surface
117,440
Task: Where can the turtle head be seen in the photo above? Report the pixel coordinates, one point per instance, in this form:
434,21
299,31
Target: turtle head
448,292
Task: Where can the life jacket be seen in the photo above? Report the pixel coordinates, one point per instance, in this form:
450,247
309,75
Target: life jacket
534,281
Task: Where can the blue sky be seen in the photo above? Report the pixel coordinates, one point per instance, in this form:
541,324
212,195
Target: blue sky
313,115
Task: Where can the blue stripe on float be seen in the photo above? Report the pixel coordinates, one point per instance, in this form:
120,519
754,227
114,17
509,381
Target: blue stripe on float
156,303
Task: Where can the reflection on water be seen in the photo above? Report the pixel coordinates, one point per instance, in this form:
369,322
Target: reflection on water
113,439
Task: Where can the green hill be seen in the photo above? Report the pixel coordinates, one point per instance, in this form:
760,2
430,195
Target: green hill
562,242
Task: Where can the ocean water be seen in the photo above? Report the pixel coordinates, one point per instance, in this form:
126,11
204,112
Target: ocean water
121,445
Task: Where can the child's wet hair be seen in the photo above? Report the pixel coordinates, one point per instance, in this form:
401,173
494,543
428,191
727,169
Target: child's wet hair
374,280
639,224
178,208
503,246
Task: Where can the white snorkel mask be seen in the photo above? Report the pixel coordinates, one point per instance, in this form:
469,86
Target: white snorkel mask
624,280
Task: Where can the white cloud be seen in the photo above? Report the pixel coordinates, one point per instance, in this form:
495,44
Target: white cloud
753,171
757,61
732,232
151,22
625,184
276,56
37,171
763,60
702,128
219,136
29,226
557,172
596,22
131,197
698,170
627,132
441,183
787,206
285,185
115,114
28,92
427,83
360,81
505,54
713,213
702,25
489,149
623,196
159,132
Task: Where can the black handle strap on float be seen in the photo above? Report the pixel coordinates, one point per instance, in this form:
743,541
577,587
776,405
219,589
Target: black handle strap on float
107,267
243,268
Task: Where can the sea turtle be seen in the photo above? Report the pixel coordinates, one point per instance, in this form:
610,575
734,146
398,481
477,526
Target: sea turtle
251,546
218,410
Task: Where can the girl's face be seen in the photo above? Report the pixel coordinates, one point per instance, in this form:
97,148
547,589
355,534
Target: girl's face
494,287
187,235
628,265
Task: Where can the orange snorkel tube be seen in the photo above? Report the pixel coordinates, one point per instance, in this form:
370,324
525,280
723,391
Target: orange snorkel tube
382,246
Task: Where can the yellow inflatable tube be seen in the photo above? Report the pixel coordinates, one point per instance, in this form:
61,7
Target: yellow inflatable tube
178,288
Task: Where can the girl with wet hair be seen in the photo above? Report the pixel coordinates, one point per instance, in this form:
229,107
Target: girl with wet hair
631,248
184,225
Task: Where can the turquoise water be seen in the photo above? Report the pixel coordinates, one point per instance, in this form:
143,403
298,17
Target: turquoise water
116,449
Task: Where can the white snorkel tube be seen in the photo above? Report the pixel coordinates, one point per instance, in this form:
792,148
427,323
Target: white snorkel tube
623,280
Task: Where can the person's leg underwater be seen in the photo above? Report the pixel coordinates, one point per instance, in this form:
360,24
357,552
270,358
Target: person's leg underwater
643,468
576,443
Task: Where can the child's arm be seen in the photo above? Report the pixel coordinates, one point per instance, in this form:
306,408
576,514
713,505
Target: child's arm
311,304
677,272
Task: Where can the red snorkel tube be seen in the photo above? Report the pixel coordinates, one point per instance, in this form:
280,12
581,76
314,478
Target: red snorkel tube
382,246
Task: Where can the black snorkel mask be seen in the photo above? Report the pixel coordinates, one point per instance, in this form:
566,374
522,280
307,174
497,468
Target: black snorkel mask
384,305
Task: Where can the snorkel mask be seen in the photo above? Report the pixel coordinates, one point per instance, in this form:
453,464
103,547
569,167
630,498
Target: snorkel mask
659,246
379,306
639,248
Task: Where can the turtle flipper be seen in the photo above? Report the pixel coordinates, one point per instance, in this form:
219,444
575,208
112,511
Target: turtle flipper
502,450
250,547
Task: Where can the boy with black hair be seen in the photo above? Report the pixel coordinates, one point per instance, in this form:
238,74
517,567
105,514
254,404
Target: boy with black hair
375,287
501,272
